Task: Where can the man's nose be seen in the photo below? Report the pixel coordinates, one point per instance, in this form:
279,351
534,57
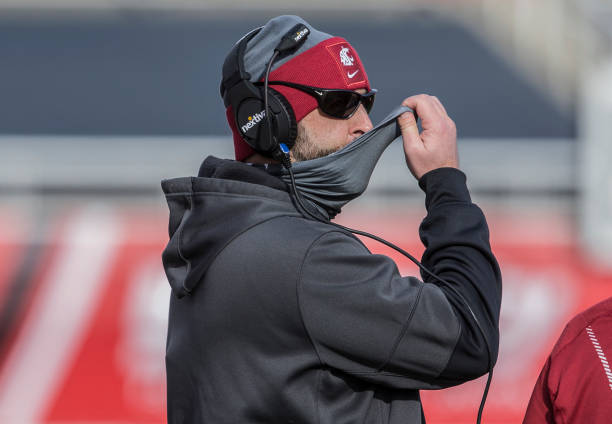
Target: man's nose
360,122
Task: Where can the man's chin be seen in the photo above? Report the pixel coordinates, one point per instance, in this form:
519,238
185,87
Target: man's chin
299,156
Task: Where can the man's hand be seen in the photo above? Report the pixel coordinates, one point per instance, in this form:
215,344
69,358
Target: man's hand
436,146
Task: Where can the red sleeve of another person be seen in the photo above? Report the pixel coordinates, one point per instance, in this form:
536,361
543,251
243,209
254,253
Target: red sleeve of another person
575,385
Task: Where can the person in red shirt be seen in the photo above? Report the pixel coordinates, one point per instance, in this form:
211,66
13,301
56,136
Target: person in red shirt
575,385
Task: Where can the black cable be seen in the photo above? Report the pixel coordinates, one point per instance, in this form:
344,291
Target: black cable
486,391
287,163
268,120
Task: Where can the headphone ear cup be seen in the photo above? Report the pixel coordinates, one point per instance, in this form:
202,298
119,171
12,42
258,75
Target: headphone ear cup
252,122
286,125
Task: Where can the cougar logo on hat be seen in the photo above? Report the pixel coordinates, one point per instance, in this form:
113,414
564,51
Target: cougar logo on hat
345,58
348,63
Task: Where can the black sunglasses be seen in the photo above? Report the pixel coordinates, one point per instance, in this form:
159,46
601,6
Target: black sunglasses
338,103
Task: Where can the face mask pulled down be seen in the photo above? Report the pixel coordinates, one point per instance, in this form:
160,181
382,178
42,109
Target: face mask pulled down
331,181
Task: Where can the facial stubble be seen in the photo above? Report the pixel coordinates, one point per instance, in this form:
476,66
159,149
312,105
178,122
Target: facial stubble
306,147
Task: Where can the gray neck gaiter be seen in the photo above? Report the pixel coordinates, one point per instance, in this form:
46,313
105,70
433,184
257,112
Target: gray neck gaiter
331,181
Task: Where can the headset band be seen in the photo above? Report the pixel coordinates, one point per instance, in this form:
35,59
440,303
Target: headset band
233,67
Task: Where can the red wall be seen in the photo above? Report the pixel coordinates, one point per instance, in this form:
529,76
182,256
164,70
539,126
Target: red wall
86,339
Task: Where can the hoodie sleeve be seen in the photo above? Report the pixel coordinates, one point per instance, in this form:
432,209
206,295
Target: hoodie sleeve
368,321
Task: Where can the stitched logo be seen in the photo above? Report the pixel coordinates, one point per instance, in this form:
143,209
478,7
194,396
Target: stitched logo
348,63
345,58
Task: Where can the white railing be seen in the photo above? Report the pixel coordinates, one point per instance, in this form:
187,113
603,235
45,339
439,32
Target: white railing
31,163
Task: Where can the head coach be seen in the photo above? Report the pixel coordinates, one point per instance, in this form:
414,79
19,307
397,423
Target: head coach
278,315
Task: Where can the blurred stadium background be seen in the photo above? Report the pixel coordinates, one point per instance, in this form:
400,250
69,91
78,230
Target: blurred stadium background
100,100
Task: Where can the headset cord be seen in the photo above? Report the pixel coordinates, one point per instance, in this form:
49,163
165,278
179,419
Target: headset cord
287,164
267,77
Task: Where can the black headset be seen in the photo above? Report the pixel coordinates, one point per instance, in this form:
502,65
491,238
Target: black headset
263,116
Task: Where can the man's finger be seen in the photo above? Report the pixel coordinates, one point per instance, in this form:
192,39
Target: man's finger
410,131
424,107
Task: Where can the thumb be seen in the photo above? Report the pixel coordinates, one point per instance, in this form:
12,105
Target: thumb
409,129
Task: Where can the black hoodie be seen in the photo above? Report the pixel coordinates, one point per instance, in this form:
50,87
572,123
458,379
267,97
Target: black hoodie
277,318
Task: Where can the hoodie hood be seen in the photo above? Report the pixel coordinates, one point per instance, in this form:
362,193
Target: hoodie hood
207,212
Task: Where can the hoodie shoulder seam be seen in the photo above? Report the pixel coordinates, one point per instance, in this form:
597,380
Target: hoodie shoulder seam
300,283
214,258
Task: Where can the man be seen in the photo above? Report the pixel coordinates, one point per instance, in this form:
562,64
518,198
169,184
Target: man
575,385
280,317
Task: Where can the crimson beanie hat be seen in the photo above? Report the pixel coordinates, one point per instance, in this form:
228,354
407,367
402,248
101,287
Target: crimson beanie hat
323,61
